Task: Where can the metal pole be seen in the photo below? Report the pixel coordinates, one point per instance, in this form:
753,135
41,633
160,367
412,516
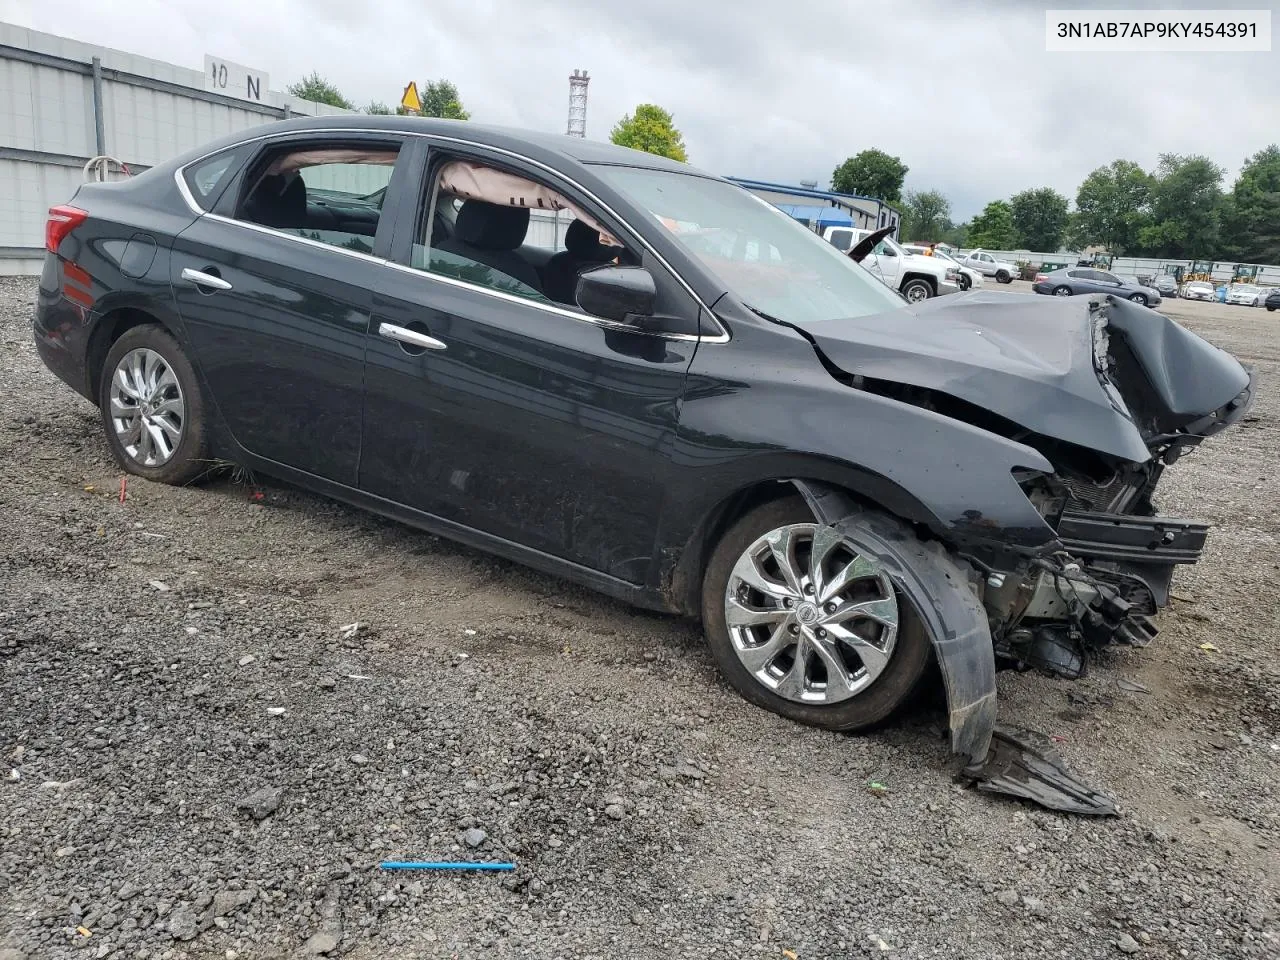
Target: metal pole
99,123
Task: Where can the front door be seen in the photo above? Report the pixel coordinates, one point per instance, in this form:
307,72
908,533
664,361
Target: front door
275,299
495,406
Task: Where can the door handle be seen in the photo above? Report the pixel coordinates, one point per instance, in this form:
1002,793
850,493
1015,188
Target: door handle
204,279
411,337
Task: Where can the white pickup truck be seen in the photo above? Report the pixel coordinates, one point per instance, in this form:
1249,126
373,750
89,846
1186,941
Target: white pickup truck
989,266
917,278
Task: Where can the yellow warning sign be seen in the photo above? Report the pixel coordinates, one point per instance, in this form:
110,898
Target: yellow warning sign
410,100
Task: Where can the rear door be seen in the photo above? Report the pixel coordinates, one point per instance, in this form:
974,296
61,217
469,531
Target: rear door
275,291
496,407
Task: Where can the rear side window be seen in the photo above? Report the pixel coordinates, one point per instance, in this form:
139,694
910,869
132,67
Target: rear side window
207,178
841,239
330,193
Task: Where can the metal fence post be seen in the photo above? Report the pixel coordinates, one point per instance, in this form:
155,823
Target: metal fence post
99,122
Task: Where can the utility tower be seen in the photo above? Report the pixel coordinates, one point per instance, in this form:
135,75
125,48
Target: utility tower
578,103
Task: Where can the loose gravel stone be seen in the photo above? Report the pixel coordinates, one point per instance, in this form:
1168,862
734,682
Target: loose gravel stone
1126,944
474,837
262,802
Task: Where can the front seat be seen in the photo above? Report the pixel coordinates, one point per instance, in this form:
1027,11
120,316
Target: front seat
278,201
490,233
582,248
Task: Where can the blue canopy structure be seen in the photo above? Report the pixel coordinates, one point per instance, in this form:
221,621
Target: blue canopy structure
824,216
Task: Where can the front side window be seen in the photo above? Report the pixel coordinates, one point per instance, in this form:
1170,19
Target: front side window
806,281
331,193
497,229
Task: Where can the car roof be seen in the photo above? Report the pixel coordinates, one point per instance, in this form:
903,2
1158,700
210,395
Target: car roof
510,138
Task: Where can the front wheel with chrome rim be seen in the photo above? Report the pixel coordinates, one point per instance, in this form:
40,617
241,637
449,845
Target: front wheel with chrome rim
917,290
152,408
805,623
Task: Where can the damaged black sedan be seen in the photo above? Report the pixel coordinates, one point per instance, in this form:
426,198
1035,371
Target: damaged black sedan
631,374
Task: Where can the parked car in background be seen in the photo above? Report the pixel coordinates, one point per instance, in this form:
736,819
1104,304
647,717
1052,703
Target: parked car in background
1273,299
1245,295
1166,285
989,266
970,279
916,278
1070,281
1199,290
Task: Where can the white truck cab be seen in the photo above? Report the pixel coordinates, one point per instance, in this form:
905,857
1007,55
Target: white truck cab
917,278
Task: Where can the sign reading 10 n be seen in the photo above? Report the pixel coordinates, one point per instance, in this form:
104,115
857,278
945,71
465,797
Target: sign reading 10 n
234,80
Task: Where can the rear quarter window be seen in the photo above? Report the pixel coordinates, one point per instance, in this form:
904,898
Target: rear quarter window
207,178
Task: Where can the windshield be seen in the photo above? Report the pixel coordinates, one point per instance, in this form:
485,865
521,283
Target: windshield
769,261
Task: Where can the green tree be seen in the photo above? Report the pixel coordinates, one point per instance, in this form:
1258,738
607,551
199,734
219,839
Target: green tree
1251,212
1112,207
1040,218
924,215
377,108
319,90
440,99
872,173
956,234
1186,208
993,227
652,130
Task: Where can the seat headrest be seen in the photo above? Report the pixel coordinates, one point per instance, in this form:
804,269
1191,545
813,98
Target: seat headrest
583,241
490,226
280,202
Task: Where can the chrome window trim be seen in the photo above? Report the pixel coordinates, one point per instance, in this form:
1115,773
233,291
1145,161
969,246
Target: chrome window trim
461,284
721,337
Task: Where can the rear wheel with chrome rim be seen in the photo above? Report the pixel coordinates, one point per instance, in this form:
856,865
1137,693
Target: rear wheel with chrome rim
152,408
804,623
1062,291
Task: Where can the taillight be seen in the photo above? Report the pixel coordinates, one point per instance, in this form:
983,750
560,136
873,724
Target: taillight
1041,277
62,220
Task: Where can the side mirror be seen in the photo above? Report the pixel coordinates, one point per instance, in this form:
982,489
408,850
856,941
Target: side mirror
621,294
888,252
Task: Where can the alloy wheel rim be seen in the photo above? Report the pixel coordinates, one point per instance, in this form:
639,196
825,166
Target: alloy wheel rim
148,412
1062,292
917,294
810,617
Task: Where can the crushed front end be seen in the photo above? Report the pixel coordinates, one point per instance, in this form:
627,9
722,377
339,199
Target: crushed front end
1111,570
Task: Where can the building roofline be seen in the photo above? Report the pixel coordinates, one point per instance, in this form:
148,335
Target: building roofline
805,192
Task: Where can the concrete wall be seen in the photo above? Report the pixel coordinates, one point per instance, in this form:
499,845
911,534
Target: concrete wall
50,125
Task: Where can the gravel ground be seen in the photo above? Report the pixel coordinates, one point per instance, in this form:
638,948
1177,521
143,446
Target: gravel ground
201,757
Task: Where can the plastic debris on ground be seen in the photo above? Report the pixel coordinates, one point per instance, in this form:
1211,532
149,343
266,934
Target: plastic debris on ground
1024,764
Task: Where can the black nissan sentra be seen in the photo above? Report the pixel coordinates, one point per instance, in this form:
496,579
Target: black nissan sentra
629,373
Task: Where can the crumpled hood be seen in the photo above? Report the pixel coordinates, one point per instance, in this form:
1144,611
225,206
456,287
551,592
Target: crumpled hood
1030,359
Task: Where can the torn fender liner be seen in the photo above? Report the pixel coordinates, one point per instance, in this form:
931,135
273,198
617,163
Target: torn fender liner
1024,764
945,601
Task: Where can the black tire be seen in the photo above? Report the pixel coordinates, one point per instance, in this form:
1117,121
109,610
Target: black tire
1063,291
1139,299
1270,308
190,457
1002,276
965,283
911,654
915,284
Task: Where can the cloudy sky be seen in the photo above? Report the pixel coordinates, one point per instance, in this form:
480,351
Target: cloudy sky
963,92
